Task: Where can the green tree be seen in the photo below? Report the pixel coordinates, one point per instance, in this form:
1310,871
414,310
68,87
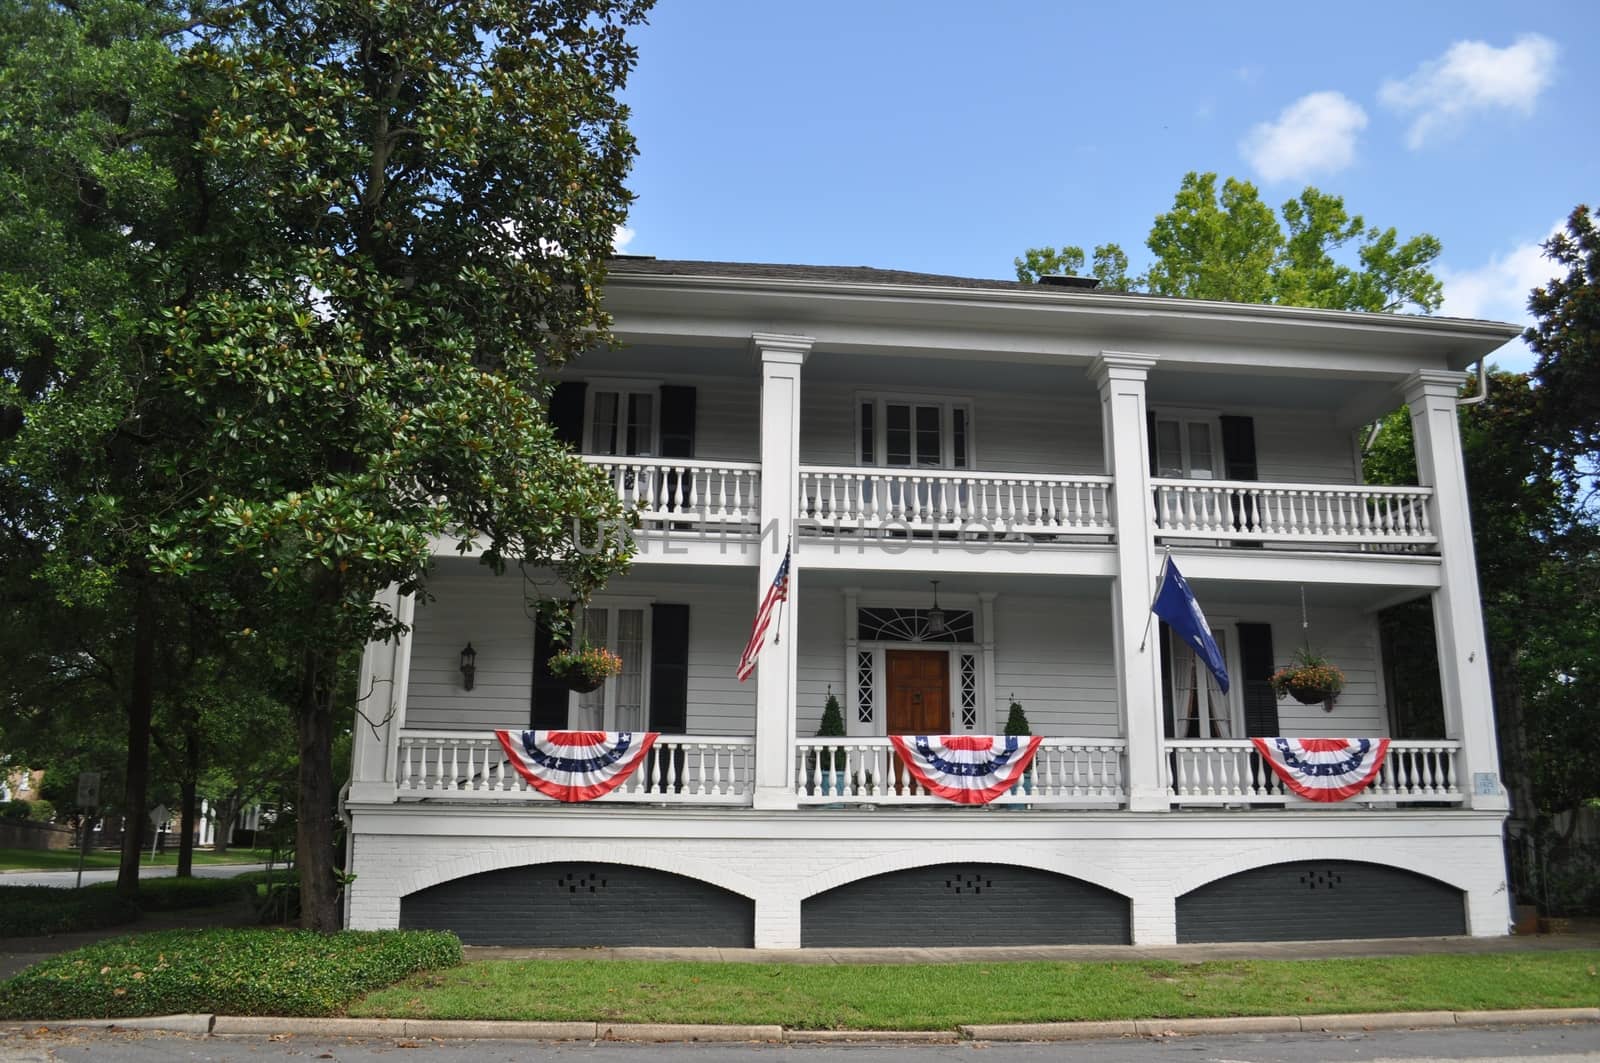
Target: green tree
1566,338
1226,244
292,322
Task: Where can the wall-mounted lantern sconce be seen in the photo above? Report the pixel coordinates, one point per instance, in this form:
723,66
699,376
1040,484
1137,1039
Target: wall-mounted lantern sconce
469,665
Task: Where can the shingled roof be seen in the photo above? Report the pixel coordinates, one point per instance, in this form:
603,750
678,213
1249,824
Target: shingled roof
778,271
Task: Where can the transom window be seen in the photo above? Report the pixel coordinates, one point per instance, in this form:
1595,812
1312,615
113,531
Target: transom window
1187,447
926,434
621,421
619,704
911,625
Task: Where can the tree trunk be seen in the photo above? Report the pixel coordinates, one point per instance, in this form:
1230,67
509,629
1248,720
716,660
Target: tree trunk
141,701
226,812
315,807
187,817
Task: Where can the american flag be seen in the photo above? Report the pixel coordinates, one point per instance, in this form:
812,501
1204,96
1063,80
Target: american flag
777,593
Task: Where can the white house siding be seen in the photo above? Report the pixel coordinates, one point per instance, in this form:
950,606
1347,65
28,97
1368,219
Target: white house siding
1300,446
1010,432
471,604
488,610
1054,656
727,418
1349,639
821,657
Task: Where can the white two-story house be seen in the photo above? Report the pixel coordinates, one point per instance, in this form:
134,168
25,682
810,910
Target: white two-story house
980,481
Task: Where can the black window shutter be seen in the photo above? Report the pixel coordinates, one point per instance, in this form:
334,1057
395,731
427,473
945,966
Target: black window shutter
677,421
1255,664
1239,448
566,412
1150,426
549,709
669,668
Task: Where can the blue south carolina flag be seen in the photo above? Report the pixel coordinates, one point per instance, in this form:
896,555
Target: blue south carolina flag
1176,605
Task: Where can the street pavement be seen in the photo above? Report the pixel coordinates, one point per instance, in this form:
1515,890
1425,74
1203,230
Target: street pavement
1556,1043
91,875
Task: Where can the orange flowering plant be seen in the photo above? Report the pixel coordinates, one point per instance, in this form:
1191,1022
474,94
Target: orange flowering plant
1310,679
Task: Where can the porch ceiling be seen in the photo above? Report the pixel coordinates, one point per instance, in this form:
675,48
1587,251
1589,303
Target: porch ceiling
1212,594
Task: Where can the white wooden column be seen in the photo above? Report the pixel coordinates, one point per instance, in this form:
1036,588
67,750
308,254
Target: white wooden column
1121,379
375,735
1457,607
781,358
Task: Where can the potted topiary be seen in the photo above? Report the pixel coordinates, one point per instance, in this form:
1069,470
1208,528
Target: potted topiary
1017,726
1311,679
585,667
831,761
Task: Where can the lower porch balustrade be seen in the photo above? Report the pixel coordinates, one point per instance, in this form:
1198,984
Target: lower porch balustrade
1066,773
1231,772
679,769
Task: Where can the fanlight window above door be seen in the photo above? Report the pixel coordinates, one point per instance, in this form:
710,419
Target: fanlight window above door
911,625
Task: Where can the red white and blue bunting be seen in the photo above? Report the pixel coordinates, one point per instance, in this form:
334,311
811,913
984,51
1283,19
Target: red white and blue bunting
576,765
966,769
1324,769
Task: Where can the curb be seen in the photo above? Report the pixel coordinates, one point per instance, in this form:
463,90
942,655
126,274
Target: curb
470,1029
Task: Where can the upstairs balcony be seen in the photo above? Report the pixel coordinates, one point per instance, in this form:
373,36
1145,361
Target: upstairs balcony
690,496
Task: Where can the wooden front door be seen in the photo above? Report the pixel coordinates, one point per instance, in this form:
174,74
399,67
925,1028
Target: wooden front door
918,691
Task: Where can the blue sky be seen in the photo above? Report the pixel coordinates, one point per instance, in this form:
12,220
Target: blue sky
949,136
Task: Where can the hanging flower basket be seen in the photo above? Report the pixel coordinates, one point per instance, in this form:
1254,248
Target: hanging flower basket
1310,680
586,668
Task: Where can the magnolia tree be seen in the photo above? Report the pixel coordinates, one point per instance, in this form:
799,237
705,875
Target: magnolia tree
357,238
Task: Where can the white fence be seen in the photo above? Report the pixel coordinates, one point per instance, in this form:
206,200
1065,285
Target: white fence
1241,511
679,769
680,490
1066,772
976,504
1227,772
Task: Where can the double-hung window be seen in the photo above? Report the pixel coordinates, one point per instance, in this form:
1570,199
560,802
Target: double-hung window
1187,447
622,420
619,704
915,433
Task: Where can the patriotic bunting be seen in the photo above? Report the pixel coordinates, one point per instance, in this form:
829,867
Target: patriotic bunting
966,769
1324,769
576,765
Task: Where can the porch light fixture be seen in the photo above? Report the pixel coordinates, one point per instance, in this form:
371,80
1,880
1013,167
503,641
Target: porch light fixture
469,665
934,619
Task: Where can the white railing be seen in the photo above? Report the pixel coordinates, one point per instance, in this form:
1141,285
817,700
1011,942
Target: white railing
1066,772
1247,511
975,504
471,765
690,491
1230,771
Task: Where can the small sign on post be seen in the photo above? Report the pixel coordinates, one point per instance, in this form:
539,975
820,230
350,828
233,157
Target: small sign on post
88,802
158,818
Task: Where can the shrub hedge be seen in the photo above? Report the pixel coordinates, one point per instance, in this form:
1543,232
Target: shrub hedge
236,972
29,910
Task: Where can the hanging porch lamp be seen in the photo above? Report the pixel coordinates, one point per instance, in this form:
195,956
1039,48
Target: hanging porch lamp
933,619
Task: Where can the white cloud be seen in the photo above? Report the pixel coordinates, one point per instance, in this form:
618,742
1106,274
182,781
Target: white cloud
1498,290
1471,77
1315,134
621,237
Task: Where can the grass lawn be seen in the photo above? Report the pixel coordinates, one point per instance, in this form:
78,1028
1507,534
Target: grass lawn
67,859
885,997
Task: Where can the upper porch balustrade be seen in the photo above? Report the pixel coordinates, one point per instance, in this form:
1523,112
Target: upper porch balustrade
676,492
663,490
955,502
1363,516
